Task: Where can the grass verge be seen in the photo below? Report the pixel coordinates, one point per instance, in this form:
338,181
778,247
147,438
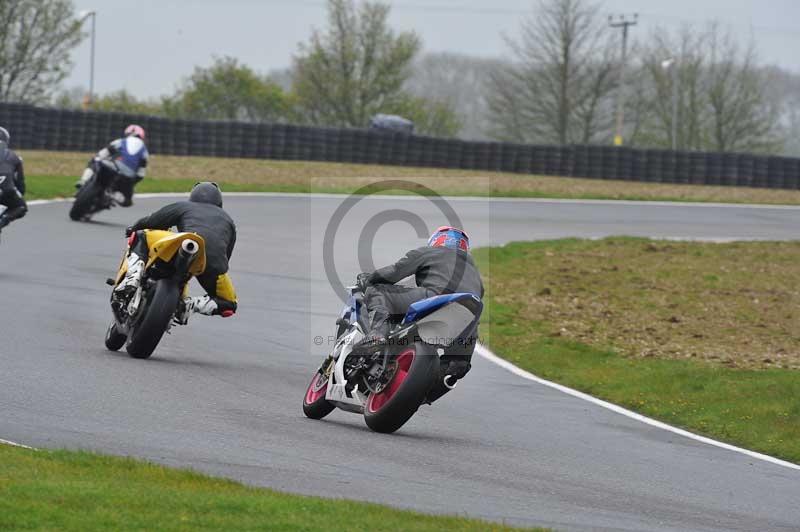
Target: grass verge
53,173
701,336
47,187
81,491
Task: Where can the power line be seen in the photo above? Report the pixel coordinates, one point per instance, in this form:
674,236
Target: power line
447,8
676,19
474,10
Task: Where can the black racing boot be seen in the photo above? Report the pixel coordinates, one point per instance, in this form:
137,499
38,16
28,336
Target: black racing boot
374,339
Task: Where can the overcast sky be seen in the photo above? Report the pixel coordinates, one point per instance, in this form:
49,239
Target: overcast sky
148,46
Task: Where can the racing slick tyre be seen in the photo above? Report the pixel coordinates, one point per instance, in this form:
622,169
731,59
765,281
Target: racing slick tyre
84,201
315,405
156,316
417,369
114,339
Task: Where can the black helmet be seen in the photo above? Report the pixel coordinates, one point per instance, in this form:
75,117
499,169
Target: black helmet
206,192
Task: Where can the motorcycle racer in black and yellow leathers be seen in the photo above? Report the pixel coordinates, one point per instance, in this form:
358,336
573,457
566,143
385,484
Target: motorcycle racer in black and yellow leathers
202,214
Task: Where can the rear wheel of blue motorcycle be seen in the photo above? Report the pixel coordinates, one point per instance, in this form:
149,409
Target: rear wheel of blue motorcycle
417,368
161,306
315,405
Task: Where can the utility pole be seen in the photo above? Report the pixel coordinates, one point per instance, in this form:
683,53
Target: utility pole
669,64
624,23
83,15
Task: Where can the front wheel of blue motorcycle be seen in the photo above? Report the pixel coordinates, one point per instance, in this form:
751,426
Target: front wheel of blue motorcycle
416,370
315,406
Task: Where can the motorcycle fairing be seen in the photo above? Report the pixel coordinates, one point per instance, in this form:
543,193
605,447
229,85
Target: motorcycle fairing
337,392
422,308
164,245
446,325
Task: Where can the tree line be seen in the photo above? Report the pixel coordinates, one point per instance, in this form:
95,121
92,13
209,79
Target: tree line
558,82
358,66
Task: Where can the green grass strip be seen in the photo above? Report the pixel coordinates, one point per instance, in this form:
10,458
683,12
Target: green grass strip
61,490
48,187
755,408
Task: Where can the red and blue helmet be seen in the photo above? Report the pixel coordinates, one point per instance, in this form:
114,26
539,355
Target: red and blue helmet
449,237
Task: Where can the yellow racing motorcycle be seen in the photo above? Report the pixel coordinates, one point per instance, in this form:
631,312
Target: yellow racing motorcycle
141,318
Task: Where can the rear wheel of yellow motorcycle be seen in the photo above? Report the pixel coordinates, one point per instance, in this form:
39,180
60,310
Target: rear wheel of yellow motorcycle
160,306
114,339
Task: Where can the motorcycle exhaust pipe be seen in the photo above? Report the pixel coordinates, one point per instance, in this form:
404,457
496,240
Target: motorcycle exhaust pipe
450,382
186,255
189,248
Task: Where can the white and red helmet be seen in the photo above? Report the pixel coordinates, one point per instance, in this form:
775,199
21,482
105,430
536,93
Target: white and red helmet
134,130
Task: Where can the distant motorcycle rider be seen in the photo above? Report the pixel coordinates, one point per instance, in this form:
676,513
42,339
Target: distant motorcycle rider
12,182
443,266
130,155
203,215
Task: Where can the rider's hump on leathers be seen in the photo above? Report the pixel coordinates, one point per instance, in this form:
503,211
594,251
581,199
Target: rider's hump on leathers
209,221
442,270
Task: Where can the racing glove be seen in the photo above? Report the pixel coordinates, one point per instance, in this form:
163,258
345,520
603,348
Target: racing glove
362,281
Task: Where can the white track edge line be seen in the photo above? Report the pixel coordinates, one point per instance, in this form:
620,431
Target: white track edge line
488,355
491,357
15,444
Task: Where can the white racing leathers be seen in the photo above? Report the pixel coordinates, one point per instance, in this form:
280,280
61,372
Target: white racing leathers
130,155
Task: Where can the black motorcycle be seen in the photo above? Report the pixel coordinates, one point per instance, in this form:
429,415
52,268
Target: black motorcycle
98,193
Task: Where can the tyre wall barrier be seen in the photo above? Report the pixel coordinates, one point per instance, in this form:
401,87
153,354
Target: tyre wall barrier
42,128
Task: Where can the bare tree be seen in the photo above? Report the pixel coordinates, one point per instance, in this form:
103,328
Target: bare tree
456,80
784,90
722,100
742,117
36,38
656,86
557,86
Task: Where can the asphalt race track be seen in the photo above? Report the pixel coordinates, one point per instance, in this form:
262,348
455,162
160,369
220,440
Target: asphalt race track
224,396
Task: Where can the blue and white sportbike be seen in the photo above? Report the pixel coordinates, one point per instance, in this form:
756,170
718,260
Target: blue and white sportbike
389,383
